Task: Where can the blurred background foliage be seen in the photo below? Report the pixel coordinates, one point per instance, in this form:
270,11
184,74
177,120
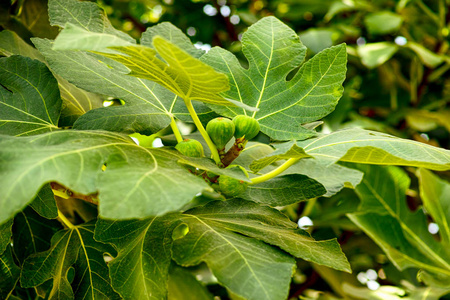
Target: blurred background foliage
398,82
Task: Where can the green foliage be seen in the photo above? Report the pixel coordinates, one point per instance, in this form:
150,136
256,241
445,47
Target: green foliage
86,212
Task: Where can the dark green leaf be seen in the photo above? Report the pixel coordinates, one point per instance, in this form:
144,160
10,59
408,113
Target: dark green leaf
30,102
32,233
44,203
5,235
71,248
141,268
9,273
184,286
75,101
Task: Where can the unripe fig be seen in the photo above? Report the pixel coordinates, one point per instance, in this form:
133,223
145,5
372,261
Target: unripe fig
220,130
191,148
231,187
246,127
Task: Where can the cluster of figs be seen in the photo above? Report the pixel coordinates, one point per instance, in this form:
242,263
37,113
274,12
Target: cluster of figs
221,130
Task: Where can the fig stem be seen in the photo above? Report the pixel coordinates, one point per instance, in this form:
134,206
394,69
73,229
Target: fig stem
64,220
175,130
275,172
201,129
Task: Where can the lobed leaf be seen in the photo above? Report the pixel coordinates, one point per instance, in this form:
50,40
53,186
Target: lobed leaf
141,268
234,258
138,182
72,249
273,51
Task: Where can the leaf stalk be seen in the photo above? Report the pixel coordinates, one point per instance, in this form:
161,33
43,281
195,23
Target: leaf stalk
201,129
275,172
64,220
175,130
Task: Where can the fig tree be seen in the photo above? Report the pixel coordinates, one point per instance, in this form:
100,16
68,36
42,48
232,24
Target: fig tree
231,187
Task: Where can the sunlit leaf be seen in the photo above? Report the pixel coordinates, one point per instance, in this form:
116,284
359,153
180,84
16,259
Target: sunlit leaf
75,160
273,50
370,147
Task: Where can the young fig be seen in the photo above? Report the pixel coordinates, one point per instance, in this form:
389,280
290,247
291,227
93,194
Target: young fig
191,148
246,127
220,130
231,187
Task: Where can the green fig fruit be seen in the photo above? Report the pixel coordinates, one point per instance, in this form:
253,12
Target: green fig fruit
231,187
246,127
220,130
191,148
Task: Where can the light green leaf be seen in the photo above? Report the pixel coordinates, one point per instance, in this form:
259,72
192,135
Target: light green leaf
428,58
318,39
138,182
141,268
435,194
84,14
370,147
386,218
184,286
246,266
383,22
32,233
375,54
180,73
283,151
75,101
9,273
29,97
173,34
284,190
44,203
71,248
273,51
